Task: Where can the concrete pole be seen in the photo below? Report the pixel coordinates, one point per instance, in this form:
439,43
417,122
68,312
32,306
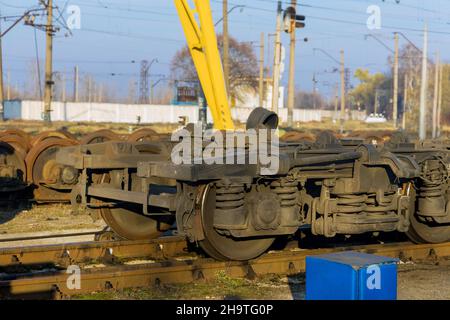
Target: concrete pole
277,62
405,102
76,80
2,111
342,117
291,86
314,90
48,64
8,85
226,47
424,87
261,71
395,98
436,95
89,89
336,101
100,93
152,92
63,84
439,112
375,107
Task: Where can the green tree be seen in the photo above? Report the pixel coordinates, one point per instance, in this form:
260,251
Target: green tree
364,94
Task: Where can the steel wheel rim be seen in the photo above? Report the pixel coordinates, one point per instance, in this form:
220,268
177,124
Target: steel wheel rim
100,136
223,247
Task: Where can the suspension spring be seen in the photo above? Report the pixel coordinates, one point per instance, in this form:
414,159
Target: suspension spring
351,203
434,177
230,198
287,191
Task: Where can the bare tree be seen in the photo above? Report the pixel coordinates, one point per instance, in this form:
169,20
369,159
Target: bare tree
244,70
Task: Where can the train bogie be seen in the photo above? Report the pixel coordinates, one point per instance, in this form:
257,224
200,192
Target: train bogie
236,211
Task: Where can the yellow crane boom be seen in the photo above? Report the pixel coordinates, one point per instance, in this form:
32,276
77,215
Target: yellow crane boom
202,42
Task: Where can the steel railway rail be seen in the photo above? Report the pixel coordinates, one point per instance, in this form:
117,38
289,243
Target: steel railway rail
76,253
53,283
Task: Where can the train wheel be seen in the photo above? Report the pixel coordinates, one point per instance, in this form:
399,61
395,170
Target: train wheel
15,132
420,232
128,222
19,143
100,137
144,134
13,180
42,167
222,247
51,134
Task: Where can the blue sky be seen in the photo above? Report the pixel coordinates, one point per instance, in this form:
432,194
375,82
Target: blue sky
114,33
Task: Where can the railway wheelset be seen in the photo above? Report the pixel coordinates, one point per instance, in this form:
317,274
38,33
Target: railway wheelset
28,167
331,185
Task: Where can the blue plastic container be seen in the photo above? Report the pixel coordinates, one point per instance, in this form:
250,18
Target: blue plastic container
351,276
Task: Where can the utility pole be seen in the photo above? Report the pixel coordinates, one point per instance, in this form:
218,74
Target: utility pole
226,46
342,117
405,102
63,84
261,71
152,86
48,63
436,96
2,111
277,62
395,99
143,84
314,90
375,107
8,85
89,89
291,87
439,113
75,84
336,101
100,93
424,86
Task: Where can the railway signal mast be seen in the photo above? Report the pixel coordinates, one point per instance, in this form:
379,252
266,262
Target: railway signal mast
292,22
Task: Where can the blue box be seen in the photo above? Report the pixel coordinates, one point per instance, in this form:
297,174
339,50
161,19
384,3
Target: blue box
351,276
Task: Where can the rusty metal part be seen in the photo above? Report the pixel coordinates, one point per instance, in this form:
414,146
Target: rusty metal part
100,136
61,134
19,143
219,245
12,168
130,221
54,284
51,236
373,137
15,132
44,172
144,134
66,254
295,136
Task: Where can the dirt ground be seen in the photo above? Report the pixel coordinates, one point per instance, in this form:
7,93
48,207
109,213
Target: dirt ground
53,218
424,280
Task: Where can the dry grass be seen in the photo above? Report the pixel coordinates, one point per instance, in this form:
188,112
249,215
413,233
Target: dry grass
80,128
40,218
416,281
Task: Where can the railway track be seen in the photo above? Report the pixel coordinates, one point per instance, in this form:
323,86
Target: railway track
20,239
168,264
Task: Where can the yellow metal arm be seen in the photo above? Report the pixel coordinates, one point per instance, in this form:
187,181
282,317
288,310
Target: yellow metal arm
202,42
